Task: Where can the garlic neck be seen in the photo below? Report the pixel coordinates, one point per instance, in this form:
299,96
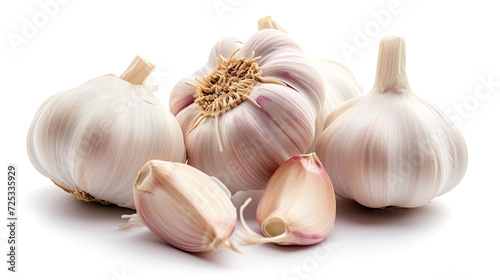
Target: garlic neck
391,73
138,71
269,23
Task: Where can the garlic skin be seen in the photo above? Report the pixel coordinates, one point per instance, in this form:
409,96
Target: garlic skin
184,206
391,147
340,83
93,139
297,208
340,86
274,121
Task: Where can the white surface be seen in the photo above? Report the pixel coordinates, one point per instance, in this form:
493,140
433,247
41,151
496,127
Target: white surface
450,46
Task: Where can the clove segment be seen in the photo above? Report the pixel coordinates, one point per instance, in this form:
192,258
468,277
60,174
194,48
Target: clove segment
297,207
184,206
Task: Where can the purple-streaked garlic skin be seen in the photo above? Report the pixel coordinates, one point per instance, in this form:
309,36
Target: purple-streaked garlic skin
301,193
184,207
254,141
297,207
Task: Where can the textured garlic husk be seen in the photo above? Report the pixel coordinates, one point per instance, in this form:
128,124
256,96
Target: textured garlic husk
340,83
297,207
391,147
184,206
273,120
93,139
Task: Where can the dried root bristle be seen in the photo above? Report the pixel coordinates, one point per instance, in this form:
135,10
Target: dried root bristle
227,86
81,195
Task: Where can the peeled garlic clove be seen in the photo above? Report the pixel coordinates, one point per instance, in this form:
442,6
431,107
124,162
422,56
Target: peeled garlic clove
93,139
340,83
252,107
184,206
391,147
297,207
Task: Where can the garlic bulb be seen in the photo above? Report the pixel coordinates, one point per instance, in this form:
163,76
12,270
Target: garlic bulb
340,83
249,109
184,206
93,139
391,147
297,207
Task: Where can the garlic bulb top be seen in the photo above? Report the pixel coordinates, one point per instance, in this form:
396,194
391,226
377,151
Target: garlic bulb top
93,139
391,147
340,83
252,107
184,206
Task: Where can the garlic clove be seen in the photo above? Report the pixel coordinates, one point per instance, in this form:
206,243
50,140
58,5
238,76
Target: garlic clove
184,206
391,147
297,207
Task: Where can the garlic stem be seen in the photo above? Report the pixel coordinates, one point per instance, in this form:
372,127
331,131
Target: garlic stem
138,71
269,23
391,65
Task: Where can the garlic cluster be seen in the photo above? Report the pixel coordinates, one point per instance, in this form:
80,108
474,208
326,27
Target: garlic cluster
184,206
93,139
391,147
252,107
340,83
297,207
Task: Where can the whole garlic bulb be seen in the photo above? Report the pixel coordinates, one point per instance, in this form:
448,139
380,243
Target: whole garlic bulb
93,139
252,107
184,206
391,147
297,207
340,83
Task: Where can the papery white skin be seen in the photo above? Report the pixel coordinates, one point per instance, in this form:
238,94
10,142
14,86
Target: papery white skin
391,147
340,86
184,206
255,140
96,137
297,207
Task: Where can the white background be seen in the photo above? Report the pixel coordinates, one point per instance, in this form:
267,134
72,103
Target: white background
451,47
